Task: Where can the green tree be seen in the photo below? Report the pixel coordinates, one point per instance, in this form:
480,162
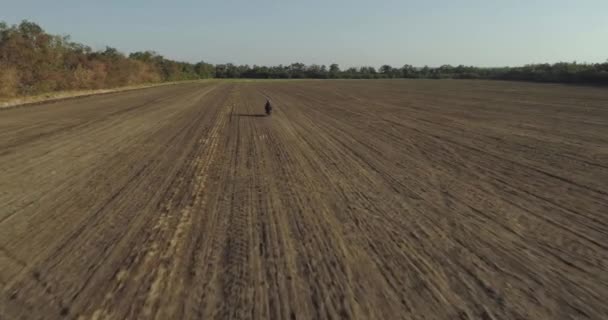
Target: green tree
386,71
204,70
334,71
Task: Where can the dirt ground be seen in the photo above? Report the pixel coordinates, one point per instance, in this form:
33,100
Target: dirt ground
356,199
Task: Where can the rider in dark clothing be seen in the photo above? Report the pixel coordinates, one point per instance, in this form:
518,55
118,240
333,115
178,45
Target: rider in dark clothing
268,107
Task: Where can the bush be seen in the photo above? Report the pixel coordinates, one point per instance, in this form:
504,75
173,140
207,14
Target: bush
35,62
9,81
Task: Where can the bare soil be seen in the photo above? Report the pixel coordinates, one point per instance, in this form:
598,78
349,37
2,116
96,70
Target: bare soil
355,199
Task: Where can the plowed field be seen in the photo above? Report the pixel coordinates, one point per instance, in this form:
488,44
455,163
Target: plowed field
355,199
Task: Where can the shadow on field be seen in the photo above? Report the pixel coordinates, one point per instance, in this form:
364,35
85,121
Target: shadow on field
248,115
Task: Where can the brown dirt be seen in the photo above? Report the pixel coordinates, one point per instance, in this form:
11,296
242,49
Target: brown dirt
356,199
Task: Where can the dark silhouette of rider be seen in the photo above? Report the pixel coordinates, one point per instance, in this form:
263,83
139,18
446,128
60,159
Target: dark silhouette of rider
268,107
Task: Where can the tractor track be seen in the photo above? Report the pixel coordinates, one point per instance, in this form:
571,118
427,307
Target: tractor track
354,200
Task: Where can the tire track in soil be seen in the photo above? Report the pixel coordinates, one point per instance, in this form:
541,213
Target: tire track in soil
356,199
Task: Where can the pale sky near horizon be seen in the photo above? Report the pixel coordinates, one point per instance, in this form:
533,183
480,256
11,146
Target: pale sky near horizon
351,33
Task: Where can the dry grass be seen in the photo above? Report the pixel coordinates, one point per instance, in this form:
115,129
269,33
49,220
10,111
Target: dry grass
10,100
9,79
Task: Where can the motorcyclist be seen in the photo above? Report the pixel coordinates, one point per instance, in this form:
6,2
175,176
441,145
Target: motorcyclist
268,107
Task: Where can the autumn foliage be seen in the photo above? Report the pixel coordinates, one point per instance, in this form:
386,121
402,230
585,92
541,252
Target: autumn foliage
33,62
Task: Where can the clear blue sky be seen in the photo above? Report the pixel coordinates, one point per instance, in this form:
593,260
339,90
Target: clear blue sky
351,33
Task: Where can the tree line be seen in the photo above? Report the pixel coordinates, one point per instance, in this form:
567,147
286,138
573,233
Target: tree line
563,72
33,61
